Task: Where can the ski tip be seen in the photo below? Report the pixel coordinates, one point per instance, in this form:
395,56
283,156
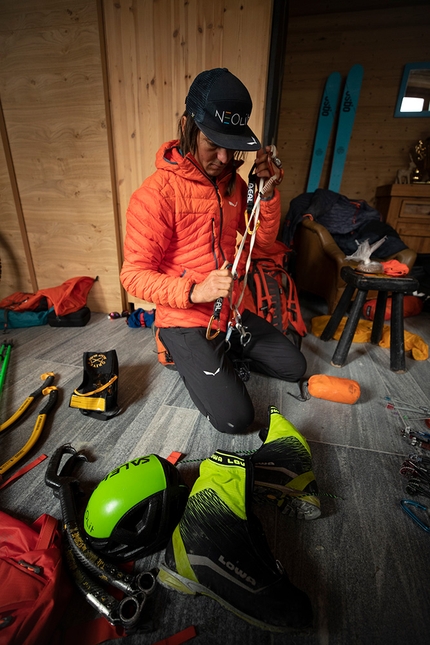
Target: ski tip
356,70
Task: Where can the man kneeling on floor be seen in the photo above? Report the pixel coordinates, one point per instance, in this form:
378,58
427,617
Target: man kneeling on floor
182,226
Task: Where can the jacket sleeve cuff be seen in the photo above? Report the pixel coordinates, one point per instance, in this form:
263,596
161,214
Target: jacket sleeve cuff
190,293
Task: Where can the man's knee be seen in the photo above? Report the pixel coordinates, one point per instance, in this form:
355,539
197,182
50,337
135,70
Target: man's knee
292,369
235,420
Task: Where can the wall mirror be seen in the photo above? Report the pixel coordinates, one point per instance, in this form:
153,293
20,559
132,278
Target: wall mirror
414,94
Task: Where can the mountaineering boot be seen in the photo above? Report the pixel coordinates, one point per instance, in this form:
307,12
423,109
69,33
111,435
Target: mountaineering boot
283,469
219,549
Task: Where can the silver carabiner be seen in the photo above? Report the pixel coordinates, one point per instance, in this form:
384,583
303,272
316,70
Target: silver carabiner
245,337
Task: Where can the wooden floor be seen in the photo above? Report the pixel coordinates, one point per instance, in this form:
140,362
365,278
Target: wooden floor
364,563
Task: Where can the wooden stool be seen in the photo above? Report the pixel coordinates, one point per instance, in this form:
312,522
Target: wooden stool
383,285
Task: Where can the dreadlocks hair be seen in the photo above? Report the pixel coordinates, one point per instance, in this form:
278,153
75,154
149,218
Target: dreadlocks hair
188,134
188,143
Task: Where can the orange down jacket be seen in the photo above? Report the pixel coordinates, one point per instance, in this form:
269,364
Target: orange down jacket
180,227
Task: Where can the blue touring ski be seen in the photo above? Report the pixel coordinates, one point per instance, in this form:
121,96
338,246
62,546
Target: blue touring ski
324,126
348,108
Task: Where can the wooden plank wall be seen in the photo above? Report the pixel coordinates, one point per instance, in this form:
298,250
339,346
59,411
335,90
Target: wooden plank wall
54,82
15,274
383,38
75,173
154,51
54,108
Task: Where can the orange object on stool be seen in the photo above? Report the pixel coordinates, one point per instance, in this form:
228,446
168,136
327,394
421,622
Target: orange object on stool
395,268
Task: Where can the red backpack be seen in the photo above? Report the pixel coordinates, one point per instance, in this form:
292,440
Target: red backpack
34,588
271,292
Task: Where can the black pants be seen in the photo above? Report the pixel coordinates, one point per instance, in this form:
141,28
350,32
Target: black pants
208,371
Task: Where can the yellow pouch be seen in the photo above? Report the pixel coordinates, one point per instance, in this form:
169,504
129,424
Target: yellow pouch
413,342
362,333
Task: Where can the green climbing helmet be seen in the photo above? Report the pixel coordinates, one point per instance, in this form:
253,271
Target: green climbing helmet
134,510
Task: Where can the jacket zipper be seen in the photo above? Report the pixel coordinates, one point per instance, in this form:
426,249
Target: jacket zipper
221,216
213,220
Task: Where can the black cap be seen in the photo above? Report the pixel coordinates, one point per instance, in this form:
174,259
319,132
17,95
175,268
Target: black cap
221,105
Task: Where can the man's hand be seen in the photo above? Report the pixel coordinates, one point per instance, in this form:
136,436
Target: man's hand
263,169
218,284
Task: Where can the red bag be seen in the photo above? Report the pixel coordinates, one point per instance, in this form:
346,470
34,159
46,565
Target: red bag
20,301
271,292
412,306
34,588
66,298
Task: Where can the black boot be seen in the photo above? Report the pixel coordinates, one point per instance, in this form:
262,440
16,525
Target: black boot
219,550
283,469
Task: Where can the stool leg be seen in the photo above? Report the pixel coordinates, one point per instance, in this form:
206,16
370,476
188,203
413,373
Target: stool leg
342,349
336,317
378,322
397,337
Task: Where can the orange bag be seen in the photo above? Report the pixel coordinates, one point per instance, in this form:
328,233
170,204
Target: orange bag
163,354
412,306
334,388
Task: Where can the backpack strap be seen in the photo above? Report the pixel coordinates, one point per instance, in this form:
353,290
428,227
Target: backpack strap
22,471
179,638
47,532
261,292
100,630
293,306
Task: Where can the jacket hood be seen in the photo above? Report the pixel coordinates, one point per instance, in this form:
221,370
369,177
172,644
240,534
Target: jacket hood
170,158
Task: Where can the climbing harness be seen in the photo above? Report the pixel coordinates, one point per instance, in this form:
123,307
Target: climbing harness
46,389
252,215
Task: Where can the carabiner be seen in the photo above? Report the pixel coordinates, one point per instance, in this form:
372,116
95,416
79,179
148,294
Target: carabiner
215,316
245,337
247,224
236,323
273,159
209,334
407,503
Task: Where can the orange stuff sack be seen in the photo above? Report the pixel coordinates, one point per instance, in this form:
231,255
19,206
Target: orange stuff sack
163,354
412,306
334,388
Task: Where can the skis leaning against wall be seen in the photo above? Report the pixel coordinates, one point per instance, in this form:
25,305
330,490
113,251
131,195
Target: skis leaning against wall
348,108
325,122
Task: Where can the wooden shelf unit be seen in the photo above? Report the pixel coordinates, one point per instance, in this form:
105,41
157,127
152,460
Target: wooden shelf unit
406,207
